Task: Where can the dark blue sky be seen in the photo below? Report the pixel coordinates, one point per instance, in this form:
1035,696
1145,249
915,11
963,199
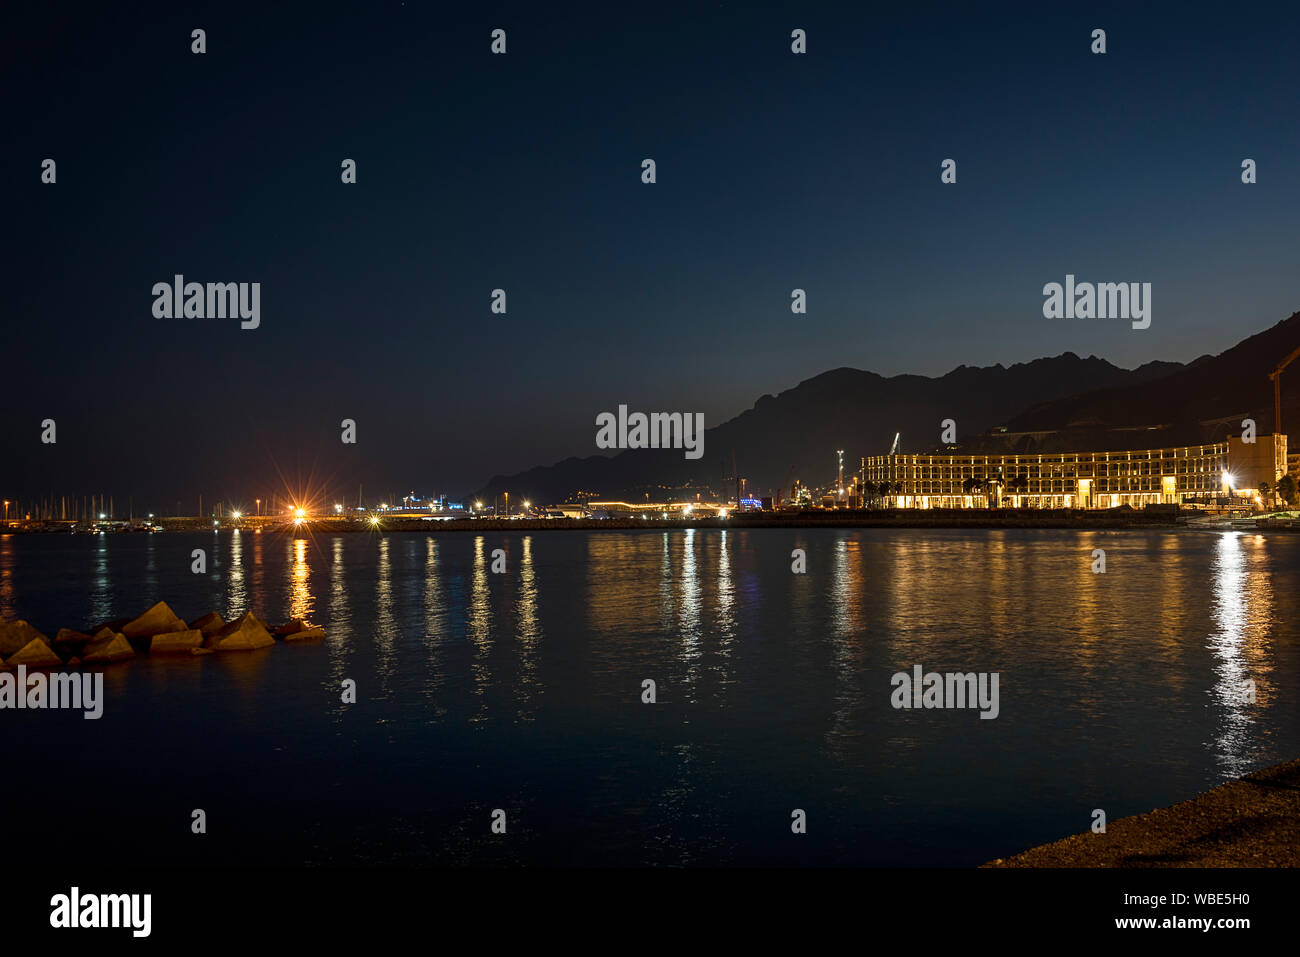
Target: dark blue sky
522,171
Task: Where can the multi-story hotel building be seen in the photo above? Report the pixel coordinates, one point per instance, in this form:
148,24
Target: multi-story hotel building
1072,479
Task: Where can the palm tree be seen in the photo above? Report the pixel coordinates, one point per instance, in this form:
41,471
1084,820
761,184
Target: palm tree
1286,487
1264,491
1020,484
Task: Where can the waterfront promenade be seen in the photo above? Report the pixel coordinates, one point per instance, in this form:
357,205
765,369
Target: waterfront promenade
1115,518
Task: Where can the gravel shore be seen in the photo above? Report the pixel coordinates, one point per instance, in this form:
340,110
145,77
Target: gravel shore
1253,822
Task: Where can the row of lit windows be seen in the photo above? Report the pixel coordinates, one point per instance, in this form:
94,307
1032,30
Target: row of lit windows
1199,463
1188,483
1195,451
1211,471
959,473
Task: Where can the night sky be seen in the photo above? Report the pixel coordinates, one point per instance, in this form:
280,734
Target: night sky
522,171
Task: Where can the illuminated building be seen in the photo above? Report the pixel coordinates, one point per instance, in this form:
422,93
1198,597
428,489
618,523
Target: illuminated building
1169,476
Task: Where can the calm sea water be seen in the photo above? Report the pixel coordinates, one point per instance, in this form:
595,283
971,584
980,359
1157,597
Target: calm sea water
522,691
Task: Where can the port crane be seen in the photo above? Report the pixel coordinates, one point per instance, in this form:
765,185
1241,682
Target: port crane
1276,376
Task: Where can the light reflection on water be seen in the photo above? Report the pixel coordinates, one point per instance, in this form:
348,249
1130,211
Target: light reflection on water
238,595
528,632
301,603
772,686
8,559
1243,615
688,600
435,625
480,626
384,632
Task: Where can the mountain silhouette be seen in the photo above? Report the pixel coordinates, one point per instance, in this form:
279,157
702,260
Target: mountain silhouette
1060,403
1201,402
795,434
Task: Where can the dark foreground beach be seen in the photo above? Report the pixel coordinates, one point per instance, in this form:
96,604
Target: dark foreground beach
1253,822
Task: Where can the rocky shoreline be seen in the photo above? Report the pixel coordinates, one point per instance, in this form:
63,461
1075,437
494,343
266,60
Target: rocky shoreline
1251,822
157,631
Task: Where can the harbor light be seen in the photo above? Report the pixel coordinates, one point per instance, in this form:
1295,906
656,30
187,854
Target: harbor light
300,513
235,515
102,516
374,519
1229,479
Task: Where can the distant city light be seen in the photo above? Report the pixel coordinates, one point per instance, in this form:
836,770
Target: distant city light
300,513
102,516
374,519
234,515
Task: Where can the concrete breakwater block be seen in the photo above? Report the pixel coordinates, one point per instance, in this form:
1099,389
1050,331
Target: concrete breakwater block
158,620
15,636
243,634
298,630
176,641
69,643
209,624
106,649
35,654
